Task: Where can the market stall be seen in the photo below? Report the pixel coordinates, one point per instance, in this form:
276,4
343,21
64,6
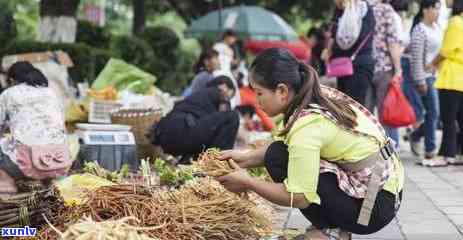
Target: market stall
115,115
119,189
118,206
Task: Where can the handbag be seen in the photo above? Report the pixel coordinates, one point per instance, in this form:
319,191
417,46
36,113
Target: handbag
343,66
397,111
43,161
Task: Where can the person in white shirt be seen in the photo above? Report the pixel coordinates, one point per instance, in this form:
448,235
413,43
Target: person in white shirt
226,59
34,115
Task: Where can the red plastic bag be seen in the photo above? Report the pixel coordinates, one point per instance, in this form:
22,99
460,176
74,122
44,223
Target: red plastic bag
397,111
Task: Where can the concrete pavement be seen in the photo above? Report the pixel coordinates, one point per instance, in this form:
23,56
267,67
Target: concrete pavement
432,208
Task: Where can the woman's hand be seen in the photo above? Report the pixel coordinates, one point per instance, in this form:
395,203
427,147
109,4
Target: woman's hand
398,74
422,89
430,68
237,181
241,158
246,158
326,54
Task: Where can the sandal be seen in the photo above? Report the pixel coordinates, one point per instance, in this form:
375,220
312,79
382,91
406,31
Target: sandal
331,233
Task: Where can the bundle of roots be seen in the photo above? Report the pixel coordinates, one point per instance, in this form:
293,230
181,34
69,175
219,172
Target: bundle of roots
210,164
28,209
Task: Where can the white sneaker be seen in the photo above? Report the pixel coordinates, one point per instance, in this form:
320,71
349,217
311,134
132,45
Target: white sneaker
434,162
415,148
454,161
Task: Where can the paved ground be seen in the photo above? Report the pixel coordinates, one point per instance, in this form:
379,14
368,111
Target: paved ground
432,208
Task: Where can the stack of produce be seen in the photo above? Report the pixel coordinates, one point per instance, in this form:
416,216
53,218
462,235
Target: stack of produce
28,209
108,230
199,210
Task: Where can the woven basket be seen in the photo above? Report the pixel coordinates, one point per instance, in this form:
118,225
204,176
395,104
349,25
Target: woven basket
140,120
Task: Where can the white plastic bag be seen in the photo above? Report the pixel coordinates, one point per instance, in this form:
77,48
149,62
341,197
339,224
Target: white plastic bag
350,24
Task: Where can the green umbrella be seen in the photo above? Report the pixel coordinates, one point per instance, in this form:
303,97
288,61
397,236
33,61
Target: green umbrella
248,21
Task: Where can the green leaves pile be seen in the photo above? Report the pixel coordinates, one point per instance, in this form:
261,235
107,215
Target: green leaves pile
95,169
172,176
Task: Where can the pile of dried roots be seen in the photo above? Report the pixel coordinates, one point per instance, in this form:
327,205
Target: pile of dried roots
196,211
108,230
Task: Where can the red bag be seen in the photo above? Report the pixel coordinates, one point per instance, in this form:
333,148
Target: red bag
397,111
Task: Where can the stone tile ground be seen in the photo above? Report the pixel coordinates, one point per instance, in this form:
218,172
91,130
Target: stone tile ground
432,208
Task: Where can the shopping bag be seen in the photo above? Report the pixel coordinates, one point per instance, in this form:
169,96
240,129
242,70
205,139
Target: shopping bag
397,111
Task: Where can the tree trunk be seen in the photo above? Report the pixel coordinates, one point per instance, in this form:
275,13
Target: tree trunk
58,20
139,17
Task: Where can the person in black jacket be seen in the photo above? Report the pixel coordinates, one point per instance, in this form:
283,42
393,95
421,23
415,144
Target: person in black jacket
202,120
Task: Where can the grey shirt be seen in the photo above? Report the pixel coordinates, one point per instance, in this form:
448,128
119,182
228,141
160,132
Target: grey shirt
424,47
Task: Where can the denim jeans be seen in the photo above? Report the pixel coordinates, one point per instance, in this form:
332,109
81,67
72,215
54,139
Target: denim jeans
431,117
393,133
410,92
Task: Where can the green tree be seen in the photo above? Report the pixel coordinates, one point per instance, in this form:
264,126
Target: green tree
293,11
59,7
290,10
8,29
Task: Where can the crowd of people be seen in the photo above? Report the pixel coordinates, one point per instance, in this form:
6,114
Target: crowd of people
385,44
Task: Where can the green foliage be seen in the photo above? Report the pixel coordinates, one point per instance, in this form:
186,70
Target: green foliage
134,51
92,35
94,168
170,175
88,61
162,39
258,172
291,11
25,14
8,29
165,172
173,59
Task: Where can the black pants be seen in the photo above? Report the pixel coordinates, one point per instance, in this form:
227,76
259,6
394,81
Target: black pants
460,131
337,209
451,103
181,134
357,85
